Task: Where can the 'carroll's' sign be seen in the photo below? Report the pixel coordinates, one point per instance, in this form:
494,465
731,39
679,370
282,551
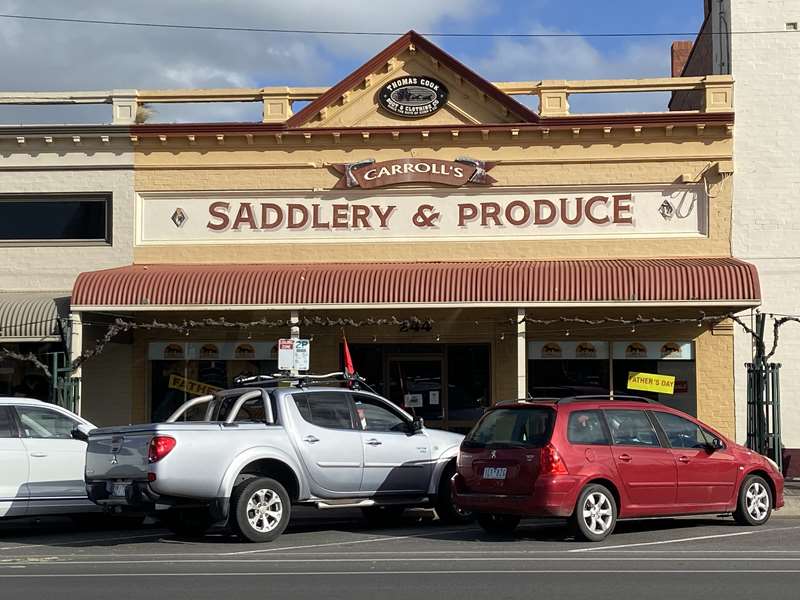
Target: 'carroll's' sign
369,174
412,96
409,215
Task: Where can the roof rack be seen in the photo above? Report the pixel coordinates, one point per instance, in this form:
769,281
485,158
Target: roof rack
602,397
529,400
301,381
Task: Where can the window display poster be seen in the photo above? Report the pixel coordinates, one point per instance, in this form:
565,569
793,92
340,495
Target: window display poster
433,397
412,400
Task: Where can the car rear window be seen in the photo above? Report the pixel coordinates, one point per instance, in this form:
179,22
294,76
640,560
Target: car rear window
508,427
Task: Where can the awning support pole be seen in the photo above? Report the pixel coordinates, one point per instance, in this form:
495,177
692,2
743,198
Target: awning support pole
294,333
75,349
522,355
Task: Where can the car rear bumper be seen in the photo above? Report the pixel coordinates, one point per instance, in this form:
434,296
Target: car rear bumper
138,494
551,497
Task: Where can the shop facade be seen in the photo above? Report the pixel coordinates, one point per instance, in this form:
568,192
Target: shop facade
471,249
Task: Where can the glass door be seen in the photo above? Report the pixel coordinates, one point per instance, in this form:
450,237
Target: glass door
416,384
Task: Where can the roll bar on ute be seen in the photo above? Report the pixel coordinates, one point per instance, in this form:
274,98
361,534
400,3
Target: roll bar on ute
212,399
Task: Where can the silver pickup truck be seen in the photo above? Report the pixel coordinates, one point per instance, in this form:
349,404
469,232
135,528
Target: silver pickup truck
244,456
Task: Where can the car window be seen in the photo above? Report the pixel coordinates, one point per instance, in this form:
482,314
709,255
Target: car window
586,427
374,416
681,433
527,427
7,427
45,423
252,411
325,409
712,439
631,428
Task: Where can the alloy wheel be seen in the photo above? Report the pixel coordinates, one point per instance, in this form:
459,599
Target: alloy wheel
757,501
597,513
264,510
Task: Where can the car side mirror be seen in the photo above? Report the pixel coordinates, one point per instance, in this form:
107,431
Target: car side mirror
417,425
714,445
80,433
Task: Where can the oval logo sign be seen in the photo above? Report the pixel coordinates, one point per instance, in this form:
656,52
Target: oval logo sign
413,96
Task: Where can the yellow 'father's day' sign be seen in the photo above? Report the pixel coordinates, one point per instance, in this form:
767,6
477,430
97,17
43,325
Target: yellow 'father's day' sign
649,382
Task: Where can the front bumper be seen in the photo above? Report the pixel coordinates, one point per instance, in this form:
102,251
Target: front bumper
551,497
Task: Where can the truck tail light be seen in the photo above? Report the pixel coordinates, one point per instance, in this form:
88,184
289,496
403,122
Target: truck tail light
160,446
551,462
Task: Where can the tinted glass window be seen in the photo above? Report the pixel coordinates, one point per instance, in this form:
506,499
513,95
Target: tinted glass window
374,416
45,423
586,427
681,432
526,427
631,428
325,409
39,218
7,428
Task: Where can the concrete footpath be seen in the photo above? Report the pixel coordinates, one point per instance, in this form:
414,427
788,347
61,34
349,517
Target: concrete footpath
791,497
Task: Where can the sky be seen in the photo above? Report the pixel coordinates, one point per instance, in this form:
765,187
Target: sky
39,56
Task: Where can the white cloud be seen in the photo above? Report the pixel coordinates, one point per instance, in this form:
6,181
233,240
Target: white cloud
576,58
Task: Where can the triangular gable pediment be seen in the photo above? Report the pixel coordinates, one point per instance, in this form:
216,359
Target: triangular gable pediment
354,101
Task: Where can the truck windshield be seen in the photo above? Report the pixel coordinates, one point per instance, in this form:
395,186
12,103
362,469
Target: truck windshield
513,427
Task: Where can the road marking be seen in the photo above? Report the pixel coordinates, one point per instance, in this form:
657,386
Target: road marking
571,559
396,573
71,542
350,542
690,539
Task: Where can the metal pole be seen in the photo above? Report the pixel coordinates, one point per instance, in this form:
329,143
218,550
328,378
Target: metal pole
522,355
294,333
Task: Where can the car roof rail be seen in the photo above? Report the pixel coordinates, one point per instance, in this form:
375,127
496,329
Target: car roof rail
355,381
606,398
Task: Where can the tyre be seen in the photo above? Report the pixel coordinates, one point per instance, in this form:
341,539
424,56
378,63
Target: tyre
498,524
446,509
187,522
383,516
260,509
595,514
755,502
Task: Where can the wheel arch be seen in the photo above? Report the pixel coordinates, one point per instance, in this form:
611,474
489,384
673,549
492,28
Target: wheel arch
765,476
605,482
267,462
445,461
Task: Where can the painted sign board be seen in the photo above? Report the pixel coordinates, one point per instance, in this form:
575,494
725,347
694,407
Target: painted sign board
404,215
413,96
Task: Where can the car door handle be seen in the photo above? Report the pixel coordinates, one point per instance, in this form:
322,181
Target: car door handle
625,457
374,442
311,439
39,454
683,459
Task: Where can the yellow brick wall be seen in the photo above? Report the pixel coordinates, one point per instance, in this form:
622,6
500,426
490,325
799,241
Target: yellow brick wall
714,350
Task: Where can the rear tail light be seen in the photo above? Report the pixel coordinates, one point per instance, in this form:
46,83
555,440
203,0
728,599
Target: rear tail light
551,462
160,446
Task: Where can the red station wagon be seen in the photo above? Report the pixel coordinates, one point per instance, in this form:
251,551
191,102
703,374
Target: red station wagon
596,459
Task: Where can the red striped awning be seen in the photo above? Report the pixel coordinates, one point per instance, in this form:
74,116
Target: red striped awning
718,281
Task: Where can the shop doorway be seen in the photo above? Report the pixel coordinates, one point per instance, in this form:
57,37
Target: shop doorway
416,384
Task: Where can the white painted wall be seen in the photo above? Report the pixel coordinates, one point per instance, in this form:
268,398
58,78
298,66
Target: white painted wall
766,219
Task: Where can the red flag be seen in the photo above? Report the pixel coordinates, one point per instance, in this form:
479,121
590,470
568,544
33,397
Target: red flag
348,360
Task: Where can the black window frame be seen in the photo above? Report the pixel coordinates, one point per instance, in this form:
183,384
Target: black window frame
662,442
354,423
104,198
603,424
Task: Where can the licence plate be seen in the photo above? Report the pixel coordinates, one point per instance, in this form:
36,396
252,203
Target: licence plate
118,489
495,472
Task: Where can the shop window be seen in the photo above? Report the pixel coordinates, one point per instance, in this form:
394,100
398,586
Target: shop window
180,371
468,381
37,218
561,369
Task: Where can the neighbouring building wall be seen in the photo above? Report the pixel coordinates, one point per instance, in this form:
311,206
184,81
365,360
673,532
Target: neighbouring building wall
38,167
108,386
766,225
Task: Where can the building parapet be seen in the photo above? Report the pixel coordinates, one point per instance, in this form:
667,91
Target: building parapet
715,90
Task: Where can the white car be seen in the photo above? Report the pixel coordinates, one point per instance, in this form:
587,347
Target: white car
42,459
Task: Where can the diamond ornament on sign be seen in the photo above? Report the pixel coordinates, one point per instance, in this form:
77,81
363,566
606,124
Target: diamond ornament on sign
179,217
666,210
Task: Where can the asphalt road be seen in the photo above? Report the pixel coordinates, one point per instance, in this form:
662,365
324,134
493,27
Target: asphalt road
333,554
